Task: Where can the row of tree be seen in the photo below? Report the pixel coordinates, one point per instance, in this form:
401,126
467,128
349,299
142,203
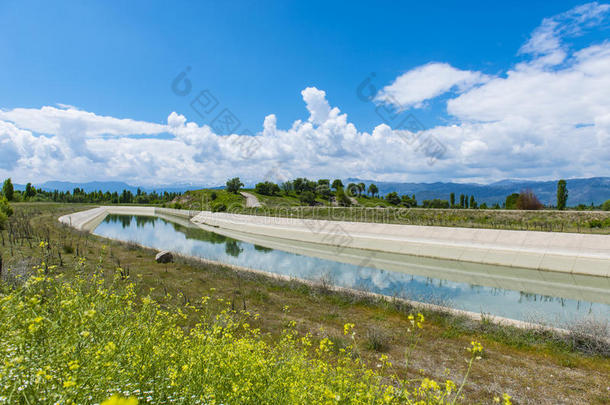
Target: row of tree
78,195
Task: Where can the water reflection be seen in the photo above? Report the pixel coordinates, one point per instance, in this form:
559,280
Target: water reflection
419,281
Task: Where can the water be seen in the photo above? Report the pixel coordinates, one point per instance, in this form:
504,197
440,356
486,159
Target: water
520,294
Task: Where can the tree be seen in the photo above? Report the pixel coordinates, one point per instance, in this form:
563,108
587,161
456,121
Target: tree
352,189
466,201
234,184
393,198
527,200
323,190
361,188
5,211
511,201
307,197
562,194
606,205
267,188
287,187
462,198
408,202
473,203
373,190
342,198
7,189
452,200
337,183
29,191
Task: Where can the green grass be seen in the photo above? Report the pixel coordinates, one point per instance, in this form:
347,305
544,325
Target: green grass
207,199
549,221
283,200
372,202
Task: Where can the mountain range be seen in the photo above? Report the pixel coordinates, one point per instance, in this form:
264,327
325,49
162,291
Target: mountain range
594,190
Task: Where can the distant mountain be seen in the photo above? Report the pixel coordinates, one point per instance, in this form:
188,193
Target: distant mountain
594,190
110,186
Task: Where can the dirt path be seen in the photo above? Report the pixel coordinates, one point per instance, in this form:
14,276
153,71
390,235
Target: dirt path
251,200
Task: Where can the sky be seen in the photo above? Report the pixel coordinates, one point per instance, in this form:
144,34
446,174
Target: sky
159,93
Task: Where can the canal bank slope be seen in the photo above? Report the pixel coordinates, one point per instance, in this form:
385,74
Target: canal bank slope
553,251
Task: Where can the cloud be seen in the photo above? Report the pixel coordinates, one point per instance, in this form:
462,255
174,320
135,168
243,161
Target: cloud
426,82
546,42
528,122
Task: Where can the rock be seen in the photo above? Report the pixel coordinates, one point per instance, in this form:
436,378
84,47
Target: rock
164,257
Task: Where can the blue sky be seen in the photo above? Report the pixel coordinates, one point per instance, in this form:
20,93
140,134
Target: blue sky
97,63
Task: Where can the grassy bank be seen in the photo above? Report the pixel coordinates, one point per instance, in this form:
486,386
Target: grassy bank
550,221
377,210
520,363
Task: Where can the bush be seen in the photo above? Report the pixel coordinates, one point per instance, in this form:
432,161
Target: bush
436,203
527,200
5,207
606,206
307,197
267,188
81,341
342,198
220,207
393,198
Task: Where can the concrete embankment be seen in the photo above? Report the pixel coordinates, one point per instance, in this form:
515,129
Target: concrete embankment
88,220
578,254
553,251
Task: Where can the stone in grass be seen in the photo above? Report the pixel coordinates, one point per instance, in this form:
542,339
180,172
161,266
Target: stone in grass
164,256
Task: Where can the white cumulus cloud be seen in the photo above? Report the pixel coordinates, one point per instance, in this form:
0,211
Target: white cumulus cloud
425,82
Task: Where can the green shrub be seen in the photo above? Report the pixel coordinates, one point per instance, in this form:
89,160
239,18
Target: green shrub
5,207
220,207
307,197
606,206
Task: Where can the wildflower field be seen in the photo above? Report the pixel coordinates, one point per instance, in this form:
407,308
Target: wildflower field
84,339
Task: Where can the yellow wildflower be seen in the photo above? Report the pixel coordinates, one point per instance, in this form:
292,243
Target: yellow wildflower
115,400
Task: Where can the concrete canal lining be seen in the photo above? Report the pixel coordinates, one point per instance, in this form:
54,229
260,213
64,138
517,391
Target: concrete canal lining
553,251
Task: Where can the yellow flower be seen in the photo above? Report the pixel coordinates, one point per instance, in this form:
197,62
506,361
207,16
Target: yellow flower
69,383
475,347
115,400
347,328
506,399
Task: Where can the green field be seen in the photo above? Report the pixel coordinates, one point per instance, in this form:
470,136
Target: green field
159,351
